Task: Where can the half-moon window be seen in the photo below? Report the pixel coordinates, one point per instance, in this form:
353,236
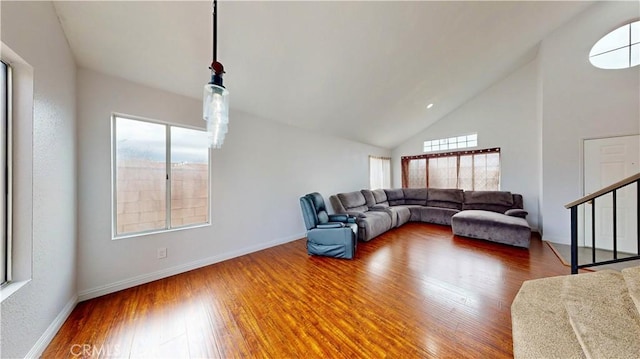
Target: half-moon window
619,49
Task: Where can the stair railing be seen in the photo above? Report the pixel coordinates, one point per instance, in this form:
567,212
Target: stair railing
592,199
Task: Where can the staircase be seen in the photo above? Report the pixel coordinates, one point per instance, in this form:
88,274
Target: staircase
590,315
591,199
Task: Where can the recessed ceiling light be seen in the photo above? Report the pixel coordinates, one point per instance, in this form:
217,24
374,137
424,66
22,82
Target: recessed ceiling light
430,105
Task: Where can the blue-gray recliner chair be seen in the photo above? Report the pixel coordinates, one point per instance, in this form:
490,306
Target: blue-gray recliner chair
332,235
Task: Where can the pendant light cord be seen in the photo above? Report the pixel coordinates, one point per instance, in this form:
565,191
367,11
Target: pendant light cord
214,31
216,68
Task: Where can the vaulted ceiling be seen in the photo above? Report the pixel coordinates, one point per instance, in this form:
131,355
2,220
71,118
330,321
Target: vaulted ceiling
360,70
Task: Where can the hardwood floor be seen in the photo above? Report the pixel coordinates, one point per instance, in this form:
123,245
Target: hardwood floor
415,292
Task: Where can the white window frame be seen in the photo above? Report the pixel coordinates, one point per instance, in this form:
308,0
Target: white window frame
451,143
7,190
386,175
625,41
114,181
21,175
409,178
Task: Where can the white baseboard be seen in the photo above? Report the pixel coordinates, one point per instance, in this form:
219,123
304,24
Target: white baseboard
556,240
150,277
46,338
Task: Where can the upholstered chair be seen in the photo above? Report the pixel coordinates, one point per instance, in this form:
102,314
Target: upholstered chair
332,235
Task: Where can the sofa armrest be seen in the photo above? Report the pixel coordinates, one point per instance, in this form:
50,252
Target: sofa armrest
379,207
521,213
354,214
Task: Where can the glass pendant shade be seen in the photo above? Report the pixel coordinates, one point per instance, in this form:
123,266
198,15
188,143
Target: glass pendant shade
215,112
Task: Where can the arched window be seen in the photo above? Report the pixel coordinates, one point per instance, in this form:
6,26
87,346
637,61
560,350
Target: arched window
619,49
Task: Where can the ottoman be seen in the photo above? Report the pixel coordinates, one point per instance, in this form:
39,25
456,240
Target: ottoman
492,226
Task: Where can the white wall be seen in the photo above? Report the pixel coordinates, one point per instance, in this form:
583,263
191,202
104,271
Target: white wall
505,116
257,178
580,101
31,315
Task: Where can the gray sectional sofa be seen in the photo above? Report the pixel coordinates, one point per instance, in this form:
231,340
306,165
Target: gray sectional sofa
491,215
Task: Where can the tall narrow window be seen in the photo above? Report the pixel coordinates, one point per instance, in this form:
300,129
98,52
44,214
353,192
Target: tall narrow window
5,164
161,176
443,172
417,173
379,172
483,171
469,170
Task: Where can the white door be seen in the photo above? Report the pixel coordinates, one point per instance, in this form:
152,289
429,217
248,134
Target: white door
606,161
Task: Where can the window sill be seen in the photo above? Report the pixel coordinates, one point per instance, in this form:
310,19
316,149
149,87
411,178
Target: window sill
8,289
141,234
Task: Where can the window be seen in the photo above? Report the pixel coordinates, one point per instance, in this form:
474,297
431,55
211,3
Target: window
5,164
379,172
451,143
161,176
469,170
16,155
417,173
442,172
619,49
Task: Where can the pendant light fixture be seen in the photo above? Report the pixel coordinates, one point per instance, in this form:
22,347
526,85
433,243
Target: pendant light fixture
215,108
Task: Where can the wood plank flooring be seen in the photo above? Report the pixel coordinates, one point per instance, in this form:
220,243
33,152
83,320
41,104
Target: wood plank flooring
414,292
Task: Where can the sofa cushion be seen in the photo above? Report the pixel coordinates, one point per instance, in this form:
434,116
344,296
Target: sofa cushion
353,201
486,207
380,196
395,196
503,198
375,224
369,199
451,198
414,212
494,201
443,204
375,197
390,211
415,196
336,204
446,195
437,215
403,213
399,214
518,202
492,226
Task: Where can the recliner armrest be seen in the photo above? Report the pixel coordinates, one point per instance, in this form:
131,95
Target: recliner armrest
338,217
344,218
330,225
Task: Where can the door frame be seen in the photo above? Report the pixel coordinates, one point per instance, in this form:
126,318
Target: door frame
581,214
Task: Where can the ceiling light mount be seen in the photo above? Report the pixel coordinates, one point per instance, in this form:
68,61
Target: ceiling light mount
217,70
215,106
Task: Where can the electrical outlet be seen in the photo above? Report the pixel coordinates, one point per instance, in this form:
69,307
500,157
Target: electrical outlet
162,252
